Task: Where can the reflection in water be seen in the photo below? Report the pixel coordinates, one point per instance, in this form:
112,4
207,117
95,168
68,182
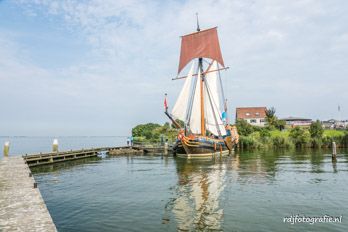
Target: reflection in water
334,166
71,164
198,203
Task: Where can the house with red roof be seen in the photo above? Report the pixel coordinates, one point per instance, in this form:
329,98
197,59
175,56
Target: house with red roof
255,116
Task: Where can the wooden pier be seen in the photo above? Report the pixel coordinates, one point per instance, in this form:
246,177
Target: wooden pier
21,205
55,157
153,147
126,151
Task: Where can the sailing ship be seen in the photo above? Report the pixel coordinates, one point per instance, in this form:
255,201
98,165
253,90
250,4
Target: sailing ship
201,104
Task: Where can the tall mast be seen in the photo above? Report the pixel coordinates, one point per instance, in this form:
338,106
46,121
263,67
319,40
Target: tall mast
200,65
198,29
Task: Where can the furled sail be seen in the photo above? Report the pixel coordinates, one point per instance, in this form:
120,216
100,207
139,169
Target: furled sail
195,119
180,108
213,103
200,44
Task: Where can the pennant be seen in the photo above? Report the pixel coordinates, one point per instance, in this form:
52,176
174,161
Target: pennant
165,103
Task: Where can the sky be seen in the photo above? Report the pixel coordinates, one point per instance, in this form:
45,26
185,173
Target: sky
100,67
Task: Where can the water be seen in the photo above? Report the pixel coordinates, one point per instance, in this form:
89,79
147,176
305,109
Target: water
248,191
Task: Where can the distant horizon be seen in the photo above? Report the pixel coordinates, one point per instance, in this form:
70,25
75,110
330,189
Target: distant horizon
91,135
4,136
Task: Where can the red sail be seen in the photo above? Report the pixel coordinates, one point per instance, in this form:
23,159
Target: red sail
200,44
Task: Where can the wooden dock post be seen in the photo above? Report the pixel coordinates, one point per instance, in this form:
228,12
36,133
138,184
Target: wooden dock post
166,148
6,148
55,145
334,151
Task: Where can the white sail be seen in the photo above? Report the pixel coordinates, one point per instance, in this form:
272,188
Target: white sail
180,108
195,119
212,102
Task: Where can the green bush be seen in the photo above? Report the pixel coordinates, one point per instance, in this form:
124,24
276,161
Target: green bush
254,137
281,141
265,133
252,141
248,142
300,136
244,128
344,141
316,142
341,139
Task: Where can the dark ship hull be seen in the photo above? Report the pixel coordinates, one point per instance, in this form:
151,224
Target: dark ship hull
201,147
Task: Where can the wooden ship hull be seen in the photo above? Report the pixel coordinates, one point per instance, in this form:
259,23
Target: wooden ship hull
201,147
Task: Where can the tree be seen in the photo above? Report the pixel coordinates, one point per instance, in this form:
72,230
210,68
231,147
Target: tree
281,124
272,120
166,125
244,128
180,122
271,117
145,130
316,130
153,132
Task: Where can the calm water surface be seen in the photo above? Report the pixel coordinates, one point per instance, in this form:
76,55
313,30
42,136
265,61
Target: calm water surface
248,191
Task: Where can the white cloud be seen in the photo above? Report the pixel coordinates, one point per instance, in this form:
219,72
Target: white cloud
290,54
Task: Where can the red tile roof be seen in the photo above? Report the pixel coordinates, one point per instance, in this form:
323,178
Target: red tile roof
250,112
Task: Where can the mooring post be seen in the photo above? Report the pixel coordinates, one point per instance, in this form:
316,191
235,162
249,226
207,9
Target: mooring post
166,147
220,150
55,145
334,152
6,148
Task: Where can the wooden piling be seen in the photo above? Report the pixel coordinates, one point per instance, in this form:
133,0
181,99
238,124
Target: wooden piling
166,148
55,145
334,151
6,148
220,150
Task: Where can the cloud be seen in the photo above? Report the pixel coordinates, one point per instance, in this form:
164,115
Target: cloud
289,54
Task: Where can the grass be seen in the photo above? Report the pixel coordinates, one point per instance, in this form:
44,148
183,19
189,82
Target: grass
333,133
275,133
282,139
328,133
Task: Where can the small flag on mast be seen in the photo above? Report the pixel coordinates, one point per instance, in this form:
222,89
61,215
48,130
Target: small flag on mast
165,103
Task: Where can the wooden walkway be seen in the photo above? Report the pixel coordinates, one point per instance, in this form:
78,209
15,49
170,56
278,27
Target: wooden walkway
21,205
152,147
55,157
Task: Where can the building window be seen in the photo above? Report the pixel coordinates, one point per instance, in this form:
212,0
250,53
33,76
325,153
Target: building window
247,114
252,120
257,114
262,120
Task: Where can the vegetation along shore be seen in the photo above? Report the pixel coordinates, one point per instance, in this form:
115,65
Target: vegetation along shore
274,135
